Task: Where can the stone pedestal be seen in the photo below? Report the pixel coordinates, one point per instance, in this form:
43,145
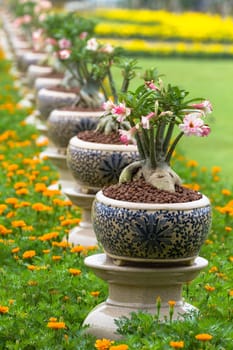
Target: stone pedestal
59,161
134,288
82,234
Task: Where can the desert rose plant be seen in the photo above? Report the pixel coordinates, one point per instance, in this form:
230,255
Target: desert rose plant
149,116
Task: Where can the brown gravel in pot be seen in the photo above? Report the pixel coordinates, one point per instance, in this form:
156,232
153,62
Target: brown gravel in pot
140,191
98,137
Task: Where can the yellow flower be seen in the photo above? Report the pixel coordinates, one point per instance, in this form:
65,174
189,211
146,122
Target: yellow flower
15,250
203,337
226,192
95,293
2,208
171,303
192,164
176,344
49,236
103,344
228,228
4,230
56,257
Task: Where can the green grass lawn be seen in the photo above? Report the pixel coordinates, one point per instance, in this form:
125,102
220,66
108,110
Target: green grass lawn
211,79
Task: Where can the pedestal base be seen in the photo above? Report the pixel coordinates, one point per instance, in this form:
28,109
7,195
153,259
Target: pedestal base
84,233
136,288
59,161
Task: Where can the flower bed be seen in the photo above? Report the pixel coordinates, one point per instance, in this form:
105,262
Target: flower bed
47,291
163,33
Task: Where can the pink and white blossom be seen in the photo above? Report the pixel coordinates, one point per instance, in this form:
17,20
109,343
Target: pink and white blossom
127,136
108,48
121,112
151,85
194,125
64,54
108,106
92,44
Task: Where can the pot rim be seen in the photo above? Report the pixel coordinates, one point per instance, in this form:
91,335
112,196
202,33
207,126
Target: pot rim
76,142
62,112
200,203
56,92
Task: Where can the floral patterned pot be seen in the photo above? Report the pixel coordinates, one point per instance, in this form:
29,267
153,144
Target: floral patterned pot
151,233
65,124
49,99
95,165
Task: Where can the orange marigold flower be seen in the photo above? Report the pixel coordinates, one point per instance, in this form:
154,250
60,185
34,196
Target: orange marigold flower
176,344
103,344
56,325
226,192
228,228
63,244
119,347
32,267
53,319
192,164
3,207
11,301
209,288
95,293
203,337
29,254
171,303
40,187
46,251
4,309
49,236
12,200
77,249
4,230
216,169
56,257
15,250
213,269
75,272
22,191
18,223
231,293
18,185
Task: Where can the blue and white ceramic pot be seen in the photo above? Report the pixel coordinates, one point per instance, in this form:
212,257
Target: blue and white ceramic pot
64,124
151,233
95,165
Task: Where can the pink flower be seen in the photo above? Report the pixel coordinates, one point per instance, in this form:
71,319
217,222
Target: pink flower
51,41
126,136
205,106
205,130
108,48
151,85
145,121
192,125
64,44
83,35
27,19
64,54
121,112
92,44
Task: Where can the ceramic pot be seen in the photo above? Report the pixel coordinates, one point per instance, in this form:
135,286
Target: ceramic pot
94,165
26,57
151,233
49,99
35,71
47,82
64,124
